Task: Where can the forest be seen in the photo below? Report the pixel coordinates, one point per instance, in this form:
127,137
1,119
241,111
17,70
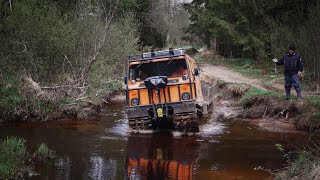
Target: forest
258,29
56,53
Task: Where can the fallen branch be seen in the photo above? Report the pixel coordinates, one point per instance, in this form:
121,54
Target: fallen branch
81,98
64,86
104,101
265,112
272,112
71,104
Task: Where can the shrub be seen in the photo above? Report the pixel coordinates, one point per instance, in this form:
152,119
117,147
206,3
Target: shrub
14,158
12,155
304,165
43,152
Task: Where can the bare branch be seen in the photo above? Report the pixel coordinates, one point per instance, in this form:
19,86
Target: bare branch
10,5
98,47
66,58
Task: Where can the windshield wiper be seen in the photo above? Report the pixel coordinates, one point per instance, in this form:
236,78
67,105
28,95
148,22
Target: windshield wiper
142,62
167,64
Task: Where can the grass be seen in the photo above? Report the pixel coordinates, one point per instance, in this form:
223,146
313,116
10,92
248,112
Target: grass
43,152
259,92
254,92
10,97
14,158
314,119
16,103
304,165
19,102
314,101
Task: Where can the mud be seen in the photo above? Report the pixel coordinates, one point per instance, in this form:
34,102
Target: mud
276,125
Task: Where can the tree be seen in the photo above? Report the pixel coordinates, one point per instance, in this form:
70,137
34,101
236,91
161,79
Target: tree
256,28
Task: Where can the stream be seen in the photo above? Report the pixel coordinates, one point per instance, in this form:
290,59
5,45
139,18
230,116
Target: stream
106,149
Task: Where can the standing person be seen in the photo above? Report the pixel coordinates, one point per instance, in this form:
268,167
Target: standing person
293,67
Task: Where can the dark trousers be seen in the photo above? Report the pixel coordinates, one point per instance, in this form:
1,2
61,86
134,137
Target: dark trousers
292,81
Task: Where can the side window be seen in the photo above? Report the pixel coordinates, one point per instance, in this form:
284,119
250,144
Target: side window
132,73
178,68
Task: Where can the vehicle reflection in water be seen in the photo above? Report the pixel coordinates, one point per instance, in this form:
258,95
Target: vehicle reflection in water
102,169
161,156
63,167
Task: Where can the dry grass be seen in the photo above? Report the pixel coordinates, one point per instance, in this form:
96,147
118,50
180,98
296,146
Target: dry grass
305,165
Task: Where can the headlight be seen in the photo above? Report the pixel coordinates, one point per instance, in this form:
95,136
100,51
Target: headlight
185,77
185,96
135,101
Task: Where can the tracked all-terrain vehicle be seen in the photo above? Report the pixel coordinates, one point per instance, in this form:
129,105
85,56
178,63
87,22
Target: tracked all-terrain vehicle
163,90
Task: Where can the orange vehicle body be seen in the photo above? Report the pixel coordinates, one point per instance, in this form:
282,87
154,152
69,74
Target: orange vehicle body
160,157
170,169
163,88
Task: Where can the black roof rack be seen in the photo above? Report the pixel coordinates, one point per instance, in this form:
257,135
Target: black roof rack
157,55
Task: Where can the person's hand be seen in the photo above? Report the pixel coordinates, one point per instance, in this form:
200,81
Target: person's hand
275,60
301,73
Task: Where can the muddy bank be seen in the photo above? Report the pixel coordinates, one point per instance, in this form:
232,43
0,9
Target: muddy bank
265,109
89,110
50,107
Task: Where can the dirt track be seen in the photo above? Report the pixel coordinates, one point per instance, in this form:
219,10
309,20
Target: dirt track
228,75
227,108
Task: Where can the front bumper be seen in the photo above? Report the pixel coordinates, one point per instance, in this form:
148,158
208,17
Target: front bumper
178,108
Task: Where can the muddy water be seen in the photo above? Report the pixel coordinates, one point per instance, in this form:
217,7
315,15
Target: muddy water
105,149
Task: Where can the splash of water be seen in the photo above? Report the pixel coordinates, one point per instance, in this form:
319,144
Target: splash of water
211,128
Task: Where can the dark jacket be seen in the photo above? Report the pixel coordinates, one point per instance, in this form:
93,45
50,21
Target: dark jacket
292,64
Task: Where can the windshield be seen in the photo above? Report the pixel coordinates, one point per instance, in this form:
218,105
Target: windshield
169,68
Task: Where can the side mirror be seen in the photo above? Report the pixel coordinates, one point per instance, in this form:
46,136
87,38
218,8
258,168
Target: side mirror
125,80
196,72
